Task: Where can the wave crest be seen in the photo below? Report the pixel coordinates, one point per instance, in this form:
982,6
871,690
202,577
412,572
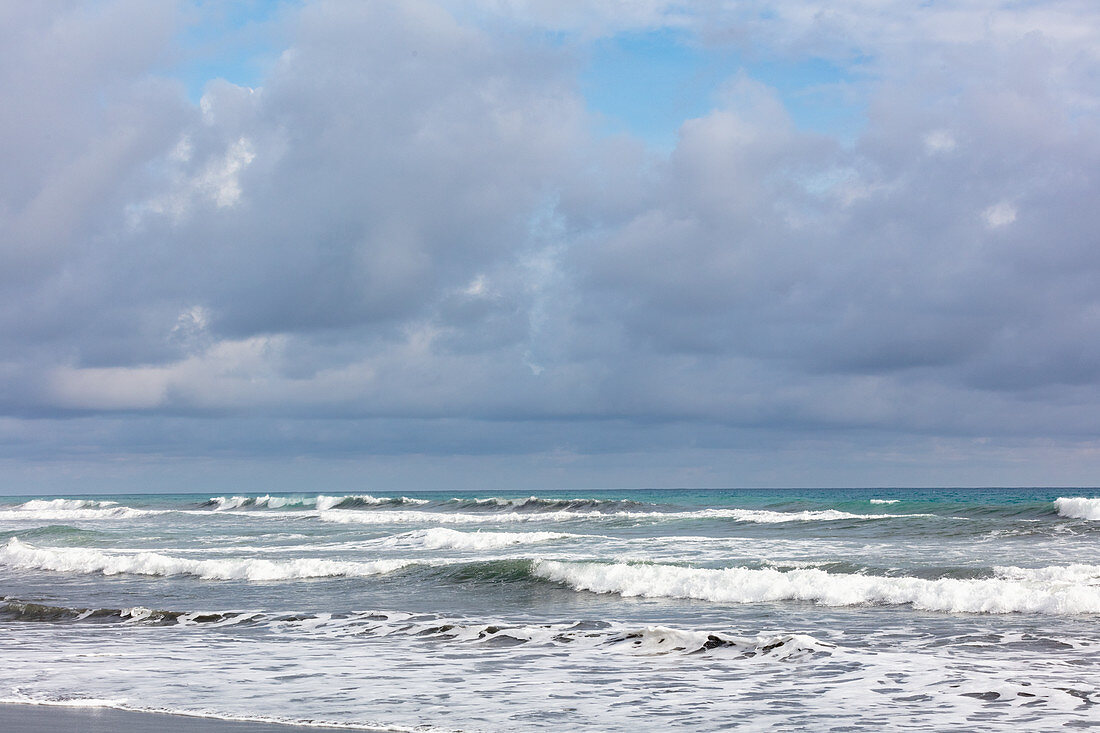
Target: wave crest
36,505
648,640
47,514
1050,590
82,560
539,504
1078,507
321,502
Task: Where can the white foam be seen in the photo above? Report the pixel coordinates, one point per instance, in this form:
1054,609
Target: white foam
1034,594
441,538
322,501
401,516
70,515
331,502
825,515
35,505
346,516
1077,573
1078,507
83,560
885,501
662,640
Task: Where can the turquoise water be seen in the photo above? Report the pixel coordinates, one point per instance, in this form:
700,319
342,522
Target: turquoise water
600,610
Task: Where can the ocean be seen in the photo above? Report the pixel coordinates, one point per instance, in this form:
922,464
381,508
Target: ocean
815,609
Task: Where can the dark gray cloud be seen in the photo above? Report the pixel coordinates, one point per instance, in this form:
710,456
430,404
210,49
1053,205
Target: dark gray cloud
411,241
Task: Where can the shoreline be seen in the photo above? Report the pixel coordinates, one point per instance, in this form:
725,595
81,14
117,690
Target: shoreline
48,718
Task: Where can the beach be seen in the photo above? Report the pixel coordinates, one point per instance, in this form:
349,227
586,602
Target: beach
66,719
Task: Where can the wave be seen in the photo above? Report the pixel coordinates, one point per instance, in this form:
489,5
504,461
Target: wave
561,515
1048,590
824,515
635,639
1085,575
441,538
16,610
1078,507
74,514
628,509
537,504
322,502
360,500
52,504
82,560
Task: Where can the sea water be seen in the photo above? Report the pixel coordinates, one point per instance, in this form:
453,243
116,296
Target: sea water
637,610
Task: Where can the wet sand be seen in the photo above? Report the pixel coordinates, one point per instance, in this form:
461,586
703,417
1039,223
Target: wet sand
18,718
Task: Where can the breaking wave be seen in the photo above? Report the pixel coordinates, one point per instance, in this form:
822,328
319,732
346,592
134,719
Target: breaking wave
538,504
82,560
561,515
1078,507
647,640
322,502
885,501
46,511
36,505
1071,590
764,516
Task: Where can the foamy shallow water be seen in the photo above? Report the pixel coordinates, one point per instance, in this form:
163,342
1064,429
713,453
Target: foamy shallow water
886,610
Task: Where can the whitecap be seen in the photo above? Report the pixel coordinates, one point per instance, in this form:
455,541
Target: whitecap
1049,593
55,504
84,560
1078,507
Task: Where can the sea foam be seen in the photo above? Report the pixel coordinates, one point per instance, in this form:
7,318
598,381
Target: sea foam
322,502
756,516
76,511
36,505
1048,590
441,538
83,560
1078,507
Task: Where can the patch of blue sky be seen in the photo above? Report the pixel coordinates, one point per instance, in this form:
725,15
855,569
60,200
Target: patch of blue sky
648,83
645,83
238,42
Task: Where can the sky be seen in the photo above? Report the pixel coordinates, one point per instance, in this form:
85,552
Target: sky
505,244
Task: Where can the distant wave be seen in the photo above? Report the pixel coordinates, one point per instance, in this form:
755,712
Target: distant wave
441,538
824,515
1078,507
561,515
37,505
83,560
224,503
538,504
885,501
649,640
70,510
1046,590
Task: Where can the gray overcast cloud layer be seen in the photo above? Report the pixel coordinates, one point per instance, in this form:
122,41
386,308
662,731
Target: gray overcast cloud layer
409,257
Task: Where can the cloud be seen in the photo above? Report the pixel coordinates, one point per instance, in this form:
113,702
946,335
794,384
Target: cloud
412,239
999,215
